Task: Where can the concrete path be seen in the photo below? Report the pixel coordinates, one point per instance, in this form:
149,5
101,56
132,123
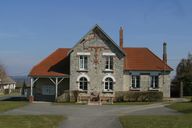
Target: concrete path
84,116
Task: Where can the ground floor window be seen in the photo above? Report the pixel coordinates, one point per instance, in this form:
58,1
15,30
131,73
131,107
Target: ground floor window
48,90
135,82
108,84
154,81
83,83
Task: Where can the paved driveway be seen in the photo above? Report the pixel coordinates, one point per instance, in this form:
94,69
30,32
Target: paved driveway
84,116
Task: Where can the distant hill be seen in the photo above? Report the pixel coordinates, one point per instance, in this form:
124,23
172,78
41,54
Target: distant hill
20,79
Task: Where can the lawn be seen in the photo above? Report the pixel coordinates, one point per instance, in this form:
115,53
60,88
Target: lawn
26,121
132,103
176,121
179,121
30,121
8,105
184,107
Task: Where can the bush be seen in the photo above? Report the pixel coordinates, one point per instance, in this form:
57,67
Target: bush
137,96
119,96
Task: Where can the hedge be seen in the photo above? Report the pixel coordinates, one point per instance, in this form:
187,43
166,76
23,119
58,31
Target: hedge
138,96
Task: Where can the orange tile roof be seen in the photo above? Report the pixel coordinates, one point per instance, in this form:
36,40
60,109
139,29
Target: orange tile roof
56,64
136,59
142,59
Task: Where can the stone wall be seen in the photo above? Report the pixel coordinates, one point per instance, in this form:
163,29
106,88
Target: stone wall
96,71
164,83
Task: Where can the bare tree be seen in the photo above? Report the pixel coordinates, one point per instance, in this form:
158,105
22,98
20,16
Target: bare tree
2,72
184,74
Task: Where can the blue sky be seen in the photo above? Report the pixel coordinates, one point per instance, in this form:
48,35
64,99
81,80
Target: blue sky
31,30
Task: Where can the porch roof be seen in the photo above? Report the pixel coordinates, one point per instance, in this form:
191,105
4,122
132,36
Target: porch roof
55,65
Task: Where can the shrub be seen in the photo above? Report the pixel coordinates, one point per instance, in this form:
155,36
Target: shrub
119,96
137,96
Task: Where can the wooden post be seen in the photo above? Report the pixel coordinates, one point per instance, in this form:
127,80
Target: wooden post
56,87
181,89
31,98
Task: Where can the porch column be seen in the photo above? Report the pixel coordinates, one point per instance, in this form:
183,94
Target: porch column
31,98
56,82
31,94
56,87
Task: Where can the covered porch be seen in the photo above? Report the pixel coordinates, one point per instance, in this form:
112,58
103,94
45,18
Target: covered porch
47,88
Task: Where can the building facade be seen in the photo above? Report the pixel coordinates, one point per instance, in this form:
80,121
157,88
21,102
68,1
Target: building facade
97,67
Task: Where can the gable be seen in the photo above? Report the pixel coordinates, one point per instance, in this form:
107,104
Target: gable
96,36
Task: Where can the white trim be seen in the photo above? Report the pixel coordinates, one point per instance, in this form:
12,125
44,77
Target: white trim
104,78
153,89
83,75
83,62
108,75
84,53
108,54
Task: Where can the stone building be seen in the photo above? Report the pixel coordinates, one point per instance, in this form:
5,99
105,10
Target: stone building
97,67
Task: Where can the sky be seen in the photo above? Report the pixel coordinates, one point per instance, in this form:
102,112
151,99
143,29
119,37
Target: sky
31,30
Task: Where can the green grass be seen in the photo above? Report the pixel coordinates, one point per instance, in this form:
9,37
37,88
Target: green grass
184,107
176,121
188,97
179,121
132,103
30,121
8,105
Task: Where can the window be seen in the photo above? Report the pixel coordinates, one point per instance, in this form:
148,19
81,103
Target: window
135,82
48,90
83,83
108,84
109,63
83,62
154,82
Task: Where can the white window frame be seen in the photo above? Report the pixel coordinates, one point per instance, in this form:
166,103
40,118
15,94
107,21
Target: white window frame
83,62
108,54
83,53
153,79
108,85
83,89
135,77
110,60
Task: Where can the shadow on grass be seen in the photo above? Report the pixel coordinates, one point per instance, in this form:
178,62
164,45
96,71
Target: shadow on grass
14,98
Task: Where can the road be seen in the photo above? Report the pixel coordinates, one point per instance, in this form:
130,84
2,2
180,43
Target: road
84,116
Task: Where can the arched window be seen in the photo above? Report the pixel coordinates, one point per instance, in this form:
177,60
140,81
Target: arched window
108,84
83,83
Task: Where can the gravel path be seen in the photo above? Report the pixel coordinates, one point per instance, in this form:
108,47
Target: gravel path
84,116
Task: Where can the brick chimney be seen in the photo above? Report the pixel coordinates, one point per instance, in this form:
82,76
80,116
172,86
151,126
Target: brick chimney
121,38
165,52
